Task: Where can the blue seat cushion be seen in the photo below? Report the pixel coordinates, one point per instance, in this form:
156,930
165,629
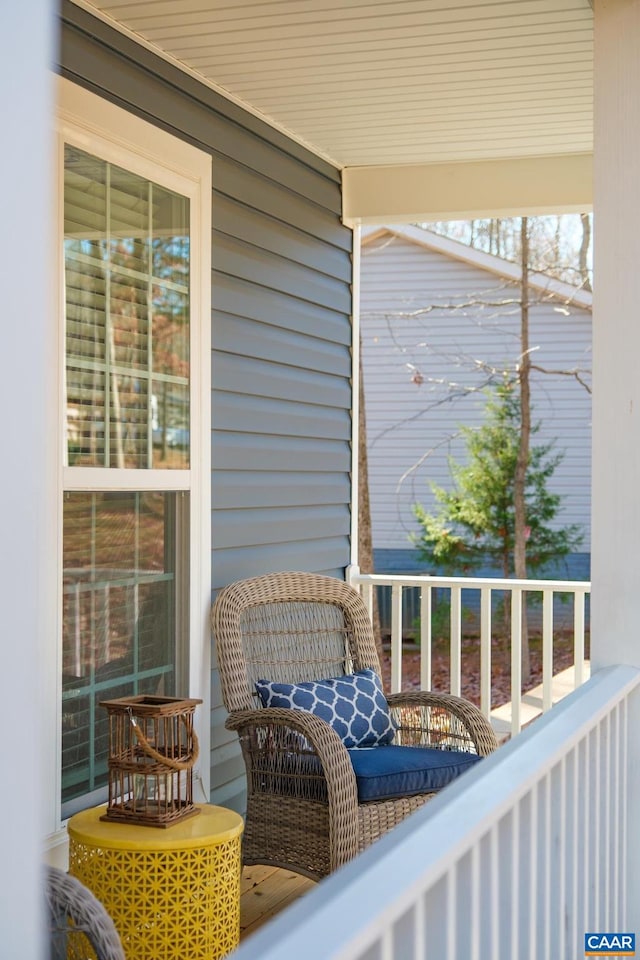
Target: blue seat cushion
388,772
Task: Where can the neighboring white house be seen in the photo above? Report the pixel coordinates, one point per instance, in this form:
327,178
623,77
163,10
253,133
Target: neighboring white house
431,308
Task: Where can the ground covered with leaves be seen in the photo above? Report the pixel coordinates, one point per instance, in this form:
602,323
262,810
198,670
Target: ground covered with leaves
500,666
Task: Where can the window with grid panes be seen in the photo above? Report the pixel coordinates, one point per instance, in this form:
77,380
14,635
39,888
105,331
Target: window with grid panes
127,249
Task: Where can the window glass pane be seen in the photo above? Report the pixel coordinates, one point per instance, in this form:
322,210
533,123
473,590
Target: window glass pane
171,422
128,413
129,329
170,402
127,250
170,237
124,620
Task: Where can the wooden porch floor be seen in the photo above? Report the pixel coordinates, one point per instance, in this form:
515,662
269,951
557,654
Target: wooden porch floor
264,892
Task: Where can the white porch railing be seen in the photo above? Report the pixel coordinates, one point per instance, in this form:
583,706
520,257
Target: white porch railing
483,590
517,860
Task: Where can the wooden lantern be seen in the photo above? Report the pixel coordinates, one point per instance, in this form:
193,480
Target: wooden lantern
152,750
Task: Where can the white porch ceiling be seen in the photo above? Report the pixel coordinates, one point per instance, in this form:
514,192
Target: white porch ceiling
389,83
433,109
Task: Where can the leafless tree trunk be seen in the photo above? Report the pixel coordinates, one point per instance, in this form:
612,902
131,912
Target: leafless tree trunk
494,236
557,241
584,249
115,394
520,478
365,543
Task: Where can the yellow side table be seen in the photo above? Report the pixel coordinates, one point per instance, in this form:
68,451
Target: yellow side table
172,893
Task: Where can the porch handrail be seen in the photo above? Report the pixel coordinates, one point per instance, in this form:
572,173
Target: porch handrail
486,587
519,858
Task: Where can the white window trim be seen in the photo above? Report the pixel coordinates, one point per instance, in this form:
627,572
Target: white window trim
99,127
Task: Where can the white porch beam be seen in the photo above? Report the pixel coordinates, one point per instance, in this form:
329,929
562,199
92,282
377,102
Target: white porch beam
460,191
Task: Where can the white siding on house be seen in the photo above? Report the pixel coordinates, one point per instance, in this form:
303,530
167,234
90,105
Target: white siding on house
405,420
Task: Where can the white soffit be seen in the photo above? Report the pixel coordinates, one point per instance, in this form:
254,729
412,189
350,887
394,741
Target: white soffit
389,83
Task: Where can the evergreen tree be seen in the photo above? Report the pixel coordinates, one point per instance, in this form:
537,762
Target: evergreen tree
475,523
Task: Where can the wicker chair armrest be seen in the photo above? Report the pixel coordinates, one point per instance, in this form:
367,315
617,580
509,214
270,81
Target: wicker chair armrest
322,740
322,745
77,918
325,742
442,720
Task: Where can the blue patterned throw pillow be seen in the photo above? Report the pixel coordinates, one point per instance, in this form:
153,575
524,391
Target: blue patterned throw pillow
354,705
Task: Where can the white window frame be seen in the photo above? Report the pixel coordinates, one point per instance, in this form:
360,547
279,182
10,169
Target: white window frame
101,128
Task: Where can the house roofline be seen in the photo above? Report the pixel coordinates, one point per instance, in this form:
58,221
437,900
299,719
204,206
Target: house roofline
484,261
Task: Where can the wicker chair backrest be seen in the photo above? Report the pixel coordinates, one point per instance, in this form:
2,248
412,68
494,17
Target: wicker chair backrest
288,627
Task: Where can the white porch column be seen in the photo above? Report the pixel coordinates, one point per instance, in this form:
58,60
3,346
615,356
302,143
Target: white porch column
616,336
615,618
27,400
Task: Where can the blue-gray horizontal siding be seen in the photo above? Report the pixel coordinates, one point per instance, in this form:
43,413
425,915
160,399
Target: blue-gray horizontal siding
237,412
281,331
242,298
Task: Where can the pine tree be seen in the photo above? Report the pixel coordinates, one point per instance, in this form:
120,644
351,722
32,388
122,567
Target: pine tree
475,523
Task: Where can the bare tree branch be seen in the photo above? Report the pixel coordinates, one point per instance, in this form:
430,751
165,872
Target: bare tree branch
577,374
449,398
415,466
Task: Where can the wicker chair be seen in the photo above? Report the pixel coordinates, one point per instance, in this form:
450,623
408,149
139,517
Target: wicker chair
79,925
303,811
